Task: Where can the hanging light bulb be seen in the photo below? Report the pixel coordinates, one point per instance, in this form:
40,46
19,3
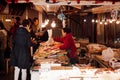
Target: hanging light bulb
117,22
46,21
53,24
93,20
101,23
96,21
105,23
84,20
43,25
110,21
8,20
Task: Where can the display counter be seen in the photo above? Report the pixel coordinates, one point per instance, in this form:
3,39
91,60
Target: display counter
75,73
101,63
48,70
48,65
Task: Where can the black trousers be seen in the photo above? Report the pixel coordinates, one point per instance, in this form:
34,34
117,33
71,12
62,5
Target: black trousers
74,60
2,60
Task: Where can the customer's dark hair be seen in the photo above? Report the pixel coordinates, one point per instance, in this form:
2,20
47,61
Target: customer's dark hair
17,19
35,18
25,22
67,30
2,25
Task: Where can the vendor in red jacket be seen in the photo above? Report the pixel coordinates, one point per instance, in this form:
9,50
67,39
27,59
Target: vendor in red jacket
68,45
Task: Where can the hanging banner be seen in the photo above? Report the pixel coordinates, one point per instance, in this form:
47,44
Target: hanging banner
9,1
99,1
78,1
54,1
16,1
27,0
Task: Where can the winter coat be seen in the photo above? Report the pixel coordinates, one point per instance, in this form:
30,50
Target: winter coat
13,29
20,56
68,44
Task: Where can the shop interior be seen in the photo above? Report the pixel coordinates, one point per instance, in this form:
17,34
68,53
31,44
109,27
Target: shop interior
95,26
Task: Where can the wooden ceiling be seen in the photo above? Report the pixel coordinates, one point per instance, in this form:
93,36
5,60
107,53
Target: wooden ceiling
83,6
105,6
95,9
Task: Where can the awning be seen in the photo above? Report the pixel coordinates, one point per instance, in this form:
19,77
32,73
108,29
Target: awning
65,2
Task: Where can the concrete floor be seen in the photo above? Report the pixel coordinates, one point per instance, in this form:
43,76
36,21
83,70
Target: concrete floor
10,75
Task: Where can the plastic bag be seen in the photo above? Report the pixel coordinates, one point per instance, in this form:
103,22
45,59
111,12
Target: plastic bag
107,54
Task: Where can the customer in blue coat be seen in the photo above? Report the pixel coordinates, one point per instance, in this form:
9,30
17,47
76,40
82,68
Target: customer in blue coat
21,57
